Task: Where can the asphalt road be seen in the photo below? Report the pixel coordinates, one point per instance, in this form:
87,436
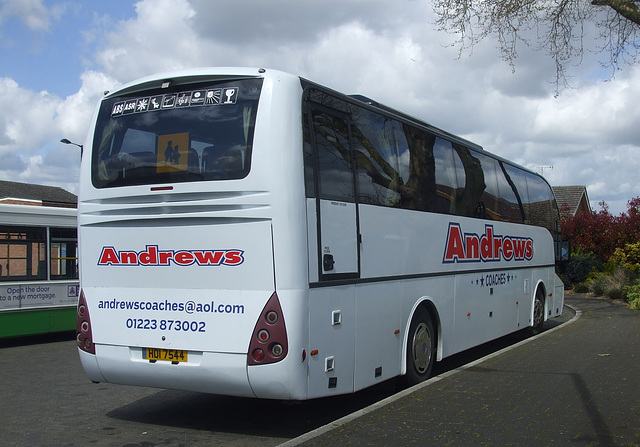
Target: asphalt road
574,386
48,401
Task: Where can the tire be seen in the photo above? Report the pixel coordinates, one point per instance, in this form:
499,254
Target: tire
421,348
538,311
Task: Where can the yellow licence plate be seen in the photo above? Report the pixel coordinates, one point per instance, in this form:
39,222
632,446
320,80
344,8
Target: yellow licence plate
169,355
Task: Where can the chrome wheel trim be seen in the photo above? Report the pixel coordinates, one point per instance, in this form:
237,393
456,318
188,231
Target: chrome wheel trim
421,348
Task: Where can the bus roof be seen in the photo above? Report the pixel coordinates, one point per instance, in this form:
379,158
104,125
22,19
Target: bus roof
195,75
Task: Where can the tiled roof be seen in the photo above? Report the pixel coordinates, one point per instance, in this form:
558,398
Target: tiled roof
571,199
49,195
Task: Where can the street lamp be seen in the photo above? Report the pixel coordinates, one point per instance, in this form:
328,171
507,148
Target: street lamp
65,141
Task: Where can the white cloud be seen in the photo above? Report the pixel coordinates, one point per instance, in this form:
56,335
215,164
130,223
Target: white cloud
30,150
348,49
73,115
35,120
159,38
31,12
602,112
25,125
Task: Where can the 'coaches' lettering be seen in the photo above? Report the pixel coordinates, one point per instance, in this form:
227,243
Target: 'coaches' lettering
153,256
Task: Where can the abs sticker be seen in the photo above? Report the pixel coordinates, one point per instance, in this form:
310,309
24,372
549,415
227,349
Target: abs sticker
210,97
153,256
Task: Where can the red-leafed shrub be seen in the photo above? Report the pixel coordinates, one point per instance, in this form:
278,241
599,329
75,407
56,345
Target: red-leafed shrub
601,241
600,233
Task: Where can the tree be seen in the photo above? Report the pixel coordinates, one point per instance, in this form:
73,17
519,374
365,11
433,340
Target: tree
595,232
600,233
557,27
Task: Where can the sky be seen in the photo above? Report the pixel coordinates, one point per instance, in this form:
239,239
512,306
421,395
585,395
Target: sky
58,57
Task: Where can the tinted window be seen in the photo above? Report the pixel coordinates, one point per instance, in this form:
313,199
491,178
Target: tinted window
519,179
540,196
509,205
420,185
335,178
461,181
471,183
204,132
309,182
446,176
375,145
398,164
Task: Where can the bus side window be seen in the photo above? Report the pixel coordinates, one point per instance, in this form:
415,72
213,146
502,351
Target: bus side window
23,253
309,182
510,202
490,196
540,199
519,180
419,188
335,177
481,211
446,177
63,253
376,158
471,184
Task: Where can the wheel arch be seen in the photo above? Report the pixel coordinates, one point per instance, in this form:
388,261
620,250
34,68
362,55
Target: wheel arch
426,303
540,286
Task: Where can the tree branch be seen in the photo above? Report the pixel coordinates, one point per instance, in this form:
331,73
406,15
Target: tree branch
626,8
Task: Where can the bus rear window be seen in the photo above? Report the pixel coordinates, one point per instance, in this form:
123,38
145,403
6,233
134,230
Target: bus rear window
184,134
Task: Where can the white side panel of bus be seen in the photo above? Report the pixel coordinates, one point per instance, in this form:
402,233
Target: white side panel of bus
489,305
379,332
338,237
332,324
557,302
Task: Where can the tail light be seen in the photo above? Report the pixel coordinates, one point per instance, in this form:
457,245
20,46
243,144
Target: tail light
269,340
83,326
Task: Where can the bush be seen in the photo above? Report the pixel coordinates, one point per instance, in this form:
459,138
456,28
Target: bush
596,283
606,256
610,284
564,278
600,233
581,265
614,284
581,288
595,232
633,295
627,257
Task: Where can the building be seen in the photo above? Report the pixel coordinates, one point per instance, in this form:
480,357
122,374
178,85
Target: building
572,200
39,195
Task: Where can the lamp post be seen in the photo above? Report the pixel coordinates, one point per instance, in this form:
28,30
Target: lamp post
65,141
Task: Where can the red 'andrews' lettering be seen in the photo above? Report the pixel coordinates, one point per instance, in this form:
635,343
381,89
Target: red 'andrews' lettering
470,247
152,256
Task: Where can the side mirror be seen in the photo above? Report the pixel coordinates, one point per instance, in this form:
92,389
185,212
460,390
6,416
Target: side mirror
563,251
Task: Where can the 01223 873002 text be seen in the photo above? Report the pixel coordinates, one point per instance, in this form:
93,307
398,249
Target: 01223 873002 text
166,325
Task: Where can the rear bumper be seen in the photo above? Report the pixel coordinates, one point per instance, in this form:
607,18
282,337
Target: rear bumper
207,372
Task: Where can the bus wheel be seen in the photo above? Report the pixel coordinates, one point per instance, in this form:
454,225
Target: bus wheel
421,348
538,310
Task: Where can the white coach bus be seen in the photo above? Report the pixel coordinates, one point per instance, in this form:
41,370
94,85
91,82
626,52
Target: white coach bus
248,232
